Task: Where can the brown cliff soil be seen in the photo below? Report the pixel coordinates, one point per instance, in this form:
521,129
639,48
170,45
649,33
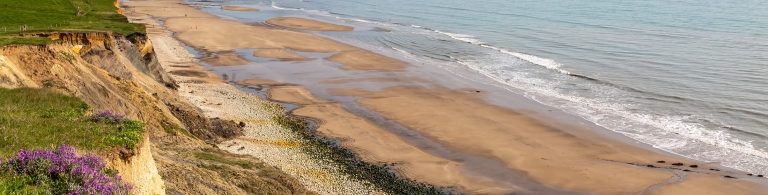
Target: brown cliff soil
122,74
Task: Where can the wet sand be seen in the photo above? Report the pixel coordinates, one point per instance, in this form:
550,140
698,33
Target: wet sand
375,79
209,33
257,82
702,184
277,53
224,60
516,153
576,159
307,24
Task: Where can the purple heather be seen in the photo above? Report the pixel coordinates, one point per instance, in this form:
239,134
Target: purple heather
84,174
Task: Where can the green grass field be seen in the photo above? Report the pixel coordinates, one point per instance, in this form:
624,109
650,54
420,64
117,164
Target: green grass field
59,16
44,119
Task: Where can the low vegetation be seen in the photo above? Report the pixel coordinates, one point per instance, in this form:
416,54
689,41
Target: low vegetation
43,119
34,121
35,16
59,171
251,176
168,126
220,159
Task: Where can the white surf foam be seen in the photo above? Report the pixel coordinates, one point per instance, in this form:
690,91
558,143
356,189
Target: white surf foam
673,134
462,37
547,63
402,51
669,133
358,20
274,5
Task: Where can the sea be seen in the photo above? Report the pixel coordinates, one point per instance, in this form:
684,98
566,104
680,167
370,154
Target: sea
687,77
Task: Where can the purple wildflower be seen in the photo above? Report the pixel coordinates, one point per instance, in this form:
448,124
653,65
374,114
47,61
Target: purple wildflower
108,117
84,174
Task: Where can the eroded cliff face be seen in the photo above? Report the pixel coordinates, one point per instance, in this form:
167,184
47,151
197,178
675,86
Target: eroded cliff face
108,73
123,75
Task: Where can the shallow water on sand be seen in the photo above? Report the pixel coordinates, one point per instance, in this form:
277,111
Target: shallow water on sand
684,77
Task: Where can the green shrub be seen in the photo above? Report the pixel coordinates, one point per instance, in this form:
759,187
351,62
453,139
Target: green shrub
128,135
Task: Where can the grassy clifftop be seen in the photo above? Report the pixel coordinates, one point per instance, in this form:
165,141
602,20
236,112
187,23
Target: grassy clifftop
60,16
42,119
35,120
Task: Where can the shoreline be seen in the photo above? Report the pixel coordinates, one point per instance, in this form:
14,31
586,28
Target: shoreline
380,138
277,146
271,134
369,98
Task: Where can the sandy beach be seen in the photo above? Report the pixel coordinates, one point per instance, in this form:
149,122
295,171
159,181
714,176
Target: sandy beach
474,146
374,144
263,137
239,8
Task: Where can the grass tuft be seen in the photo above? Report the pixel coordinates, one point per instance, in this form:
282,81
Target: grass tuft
18,185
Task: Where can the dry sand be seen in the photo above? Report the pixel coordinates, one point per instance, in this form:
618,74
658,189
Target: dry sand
239,8
366,60
307,24
277,53
548,152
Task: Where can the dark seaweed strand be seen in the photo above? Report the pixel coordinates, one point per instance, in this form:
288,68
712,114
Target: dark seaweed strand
380,176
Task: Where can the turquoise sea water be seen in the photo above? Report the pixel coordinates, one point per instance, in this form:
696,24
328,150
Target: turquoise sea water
688,77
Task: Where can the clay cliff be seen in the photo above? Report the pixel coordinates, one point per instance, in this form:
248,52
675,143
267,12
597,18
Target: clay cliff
122,74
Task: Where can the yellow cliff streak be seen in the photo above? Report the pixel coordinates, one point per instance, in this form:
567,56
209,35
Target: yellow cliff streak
146,48
77,48
119,10
81,37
